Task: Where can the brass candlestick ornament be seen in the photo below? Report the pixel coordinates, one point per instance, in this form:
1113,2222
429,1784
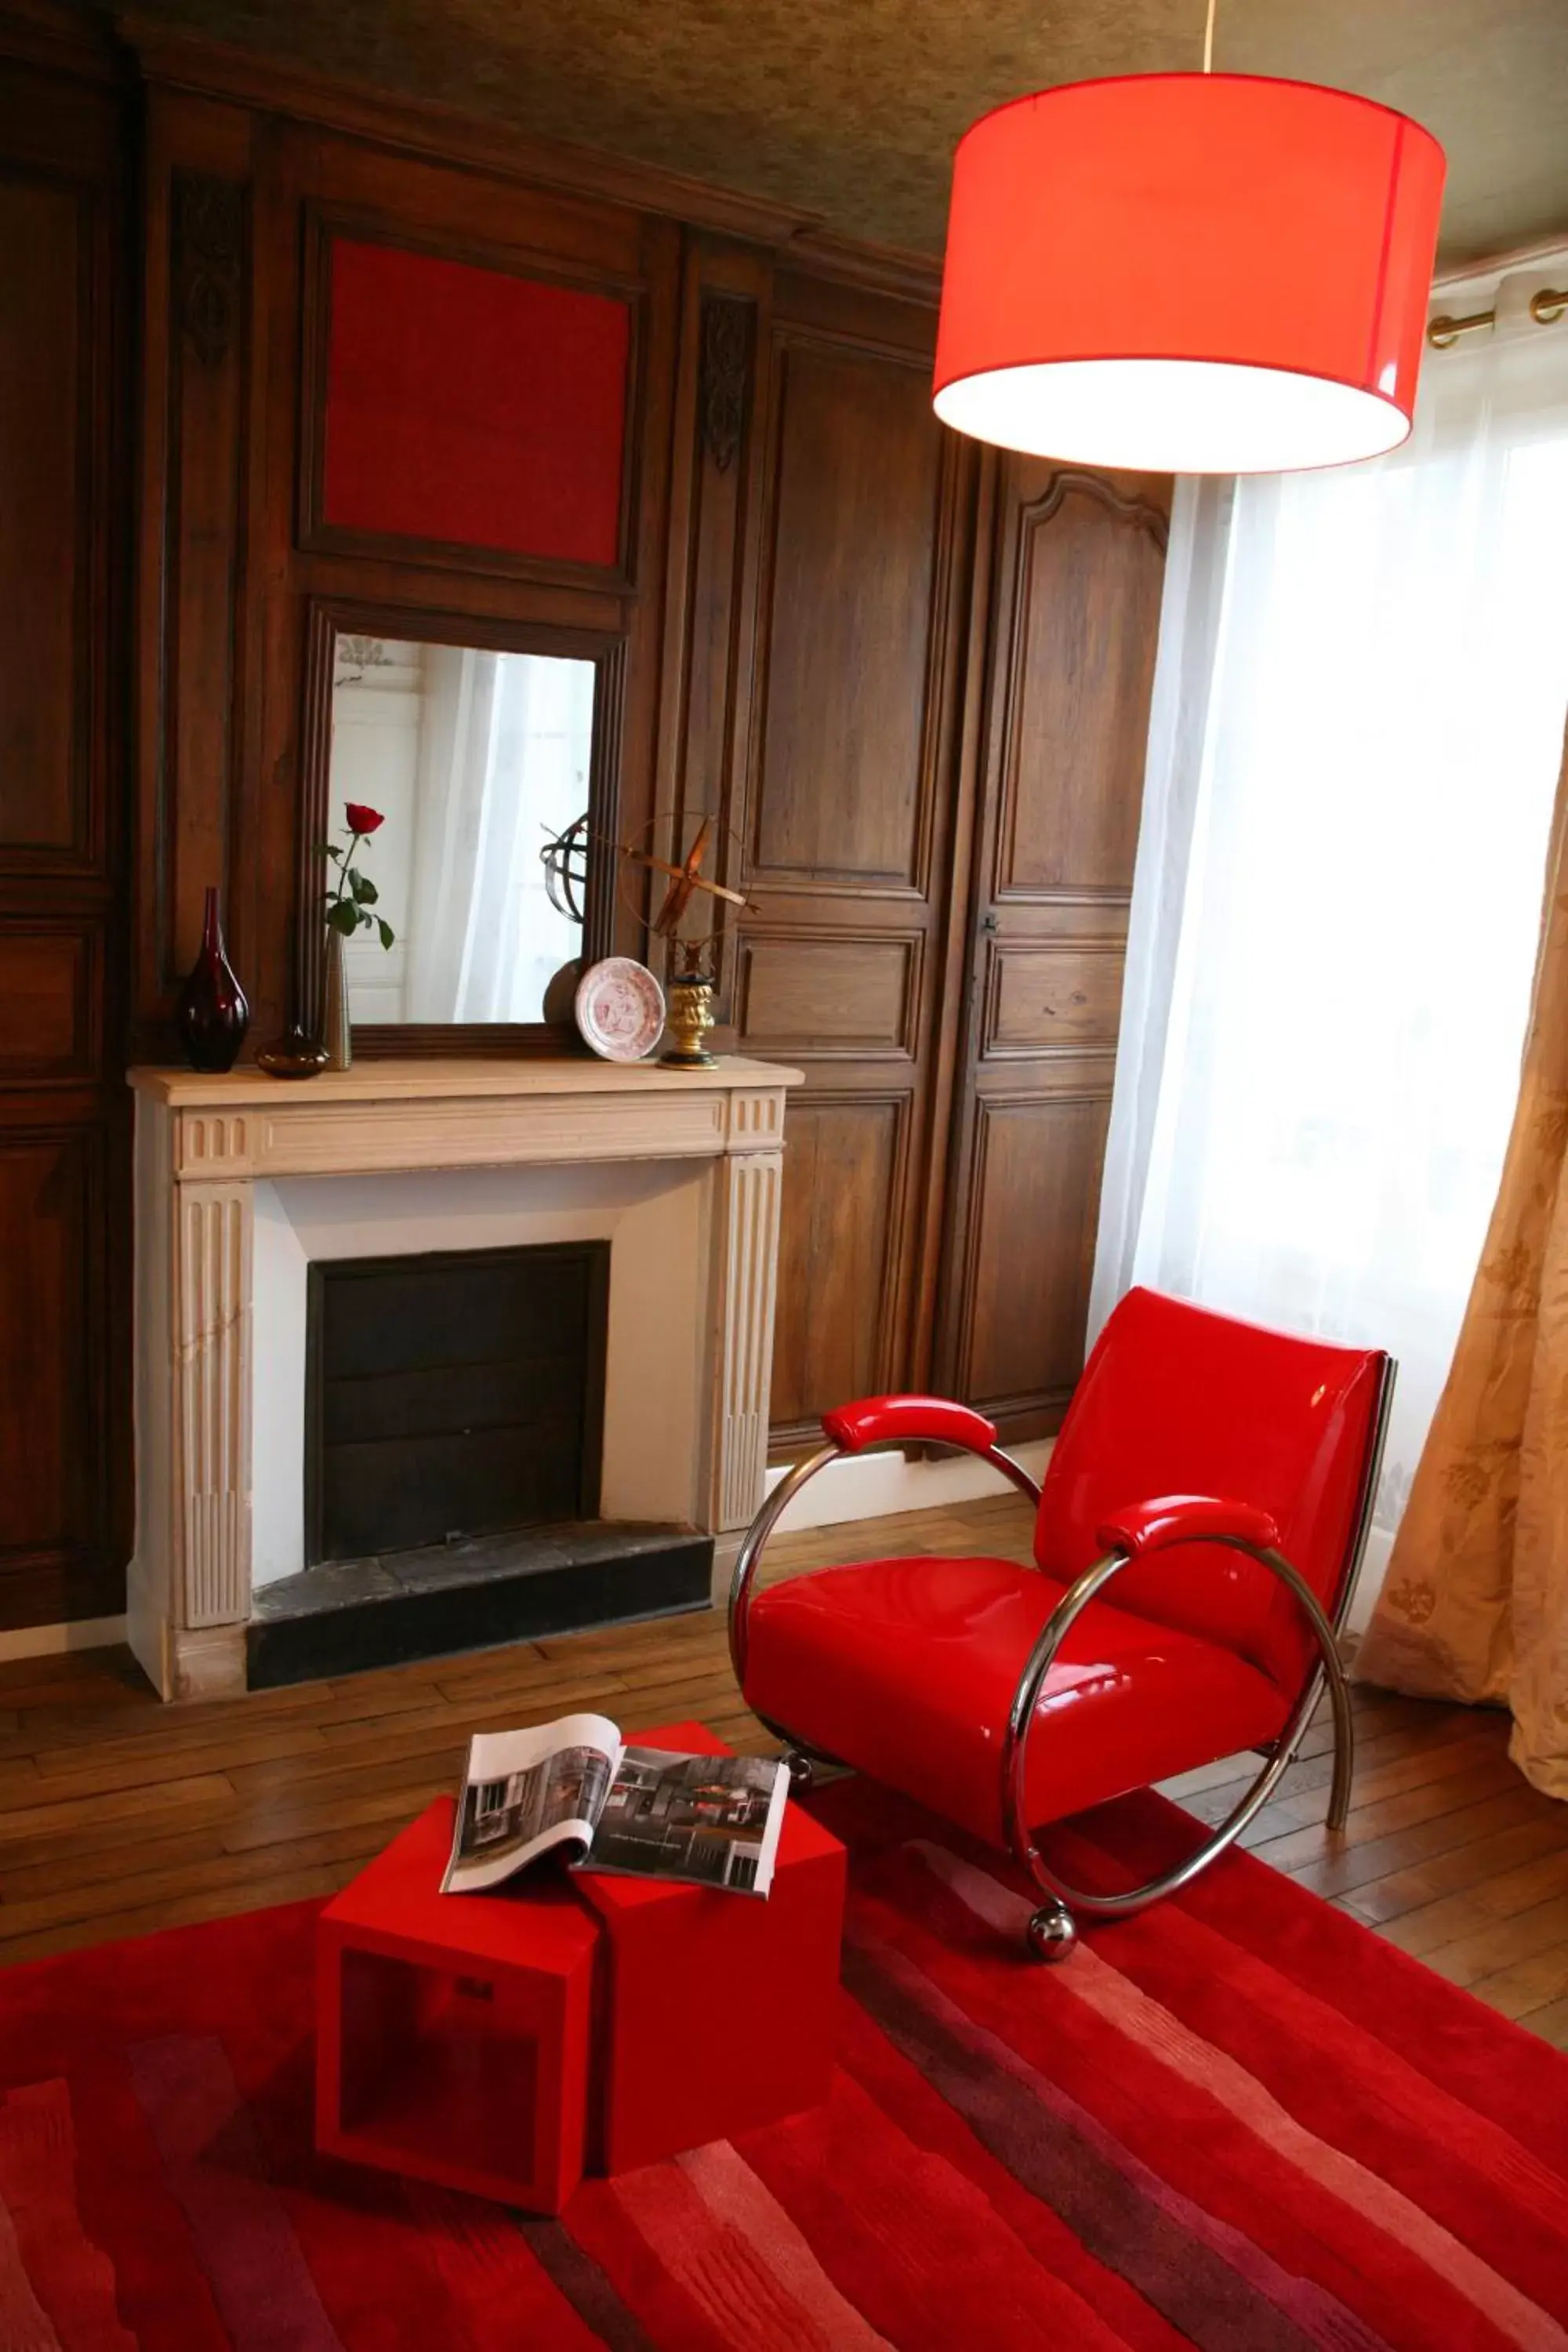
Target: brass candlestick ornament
688,997
692,981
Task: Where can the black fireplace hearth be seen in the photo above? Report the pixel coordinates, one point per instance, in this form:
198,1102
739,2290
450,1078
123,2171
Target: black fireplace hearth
350,1616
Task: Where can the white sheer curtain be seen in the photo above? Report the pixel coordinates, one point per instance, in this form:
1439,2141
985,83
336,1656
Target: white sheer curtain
1358,721
503,765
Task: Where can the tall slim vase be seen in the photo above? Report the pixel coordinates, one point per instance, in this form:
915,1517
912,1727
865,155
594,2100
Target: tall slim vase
212,1014
337,1032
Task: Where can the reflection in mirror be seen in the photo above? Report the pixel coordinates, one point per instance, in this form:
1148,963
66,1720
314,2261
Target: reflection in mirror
475,760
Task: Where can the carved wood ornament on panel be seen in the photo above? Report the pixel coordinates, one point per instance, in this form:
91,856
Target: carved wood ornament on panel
724,394
209,261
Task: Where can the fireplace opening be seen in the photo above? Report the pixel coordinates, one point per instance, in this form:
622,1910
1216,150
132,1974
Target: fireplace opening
452,1395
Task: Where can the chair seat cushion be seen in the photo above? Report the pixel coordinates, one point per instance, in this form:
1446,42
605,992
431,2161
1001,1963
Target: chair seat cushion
906,1669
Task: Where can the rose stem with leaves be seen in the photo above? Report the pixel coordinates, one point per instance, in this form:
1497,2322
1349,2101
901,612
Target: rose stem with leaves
348,908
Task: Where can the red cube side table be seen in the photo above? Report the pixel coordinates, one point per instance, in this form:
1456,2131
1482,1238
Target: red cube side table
718,2012
453,2035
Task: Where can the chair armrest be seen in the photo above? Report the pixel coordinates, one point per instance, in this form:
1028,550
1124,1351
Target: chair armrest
873,1421
1167,1519
908,1421
1145,1527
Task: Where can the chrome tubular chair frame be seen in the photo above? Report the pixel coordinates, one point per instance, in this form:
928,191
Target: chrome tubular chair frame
1052,1932
778,1503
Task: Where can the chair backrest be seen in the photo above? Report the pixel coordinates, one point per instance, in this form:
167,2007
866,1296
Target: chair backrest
1176,1399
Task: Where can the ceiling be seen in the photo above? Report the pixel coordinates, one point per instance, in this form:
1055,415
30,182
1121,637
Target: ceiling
851,108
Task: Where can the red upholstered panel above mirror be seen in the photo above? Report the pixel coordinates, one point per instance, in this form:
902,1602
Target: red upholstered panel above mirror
470,407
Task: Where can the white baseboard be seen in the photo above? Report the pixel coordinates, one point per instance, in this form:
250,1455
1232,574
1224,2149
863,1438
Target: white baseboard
146,1628
54,1641
873,1486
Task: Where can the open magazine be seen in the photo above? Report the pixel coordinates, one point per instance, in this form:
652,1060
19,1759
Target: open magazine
646,1811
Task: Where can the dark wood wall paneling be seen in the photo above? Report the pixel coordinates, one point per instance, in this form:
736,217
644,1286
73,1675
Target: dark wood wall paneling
64,1418
948,661
910,682
854,808
1069,662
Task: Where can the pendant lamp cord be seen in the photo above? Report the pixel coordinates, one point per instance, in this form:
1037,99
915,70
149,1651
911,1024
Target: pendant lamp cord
1208,39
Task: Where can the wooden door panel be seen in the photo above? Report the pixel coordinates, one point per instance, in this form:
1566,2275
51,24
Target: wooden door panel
839,796
1042,994
1036,1194
828,993
46,670
1070,671
842,1165
1085,623
55,1517
51,999
44,1196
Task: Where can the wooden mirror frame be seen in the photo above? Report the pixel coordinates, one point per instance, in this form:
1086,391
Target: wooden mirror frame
327,619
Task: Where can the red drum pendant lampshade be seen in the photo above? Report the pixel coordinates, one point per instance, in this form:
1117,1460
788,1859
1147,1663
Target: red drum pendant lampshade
1188,273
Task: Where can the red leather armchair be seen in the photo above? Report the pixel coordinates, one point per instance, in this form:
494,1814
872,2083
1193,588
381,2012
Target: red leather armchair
1197,1536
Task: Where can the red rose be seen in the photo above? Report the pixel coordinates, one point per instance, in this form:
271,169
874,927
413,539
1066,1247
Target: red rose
362,819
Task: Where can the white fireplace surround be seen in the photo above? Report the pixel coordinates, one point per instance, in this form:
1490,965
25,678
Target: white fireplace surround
650,1211
242,1181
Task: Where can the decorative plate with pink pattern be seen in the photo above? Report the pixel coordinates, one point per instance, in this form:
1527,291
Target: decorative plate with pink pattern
620,1008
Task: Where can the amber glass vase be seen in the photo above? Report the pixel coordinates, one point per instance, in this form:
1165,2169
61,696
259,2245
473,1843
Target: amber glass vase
212,1014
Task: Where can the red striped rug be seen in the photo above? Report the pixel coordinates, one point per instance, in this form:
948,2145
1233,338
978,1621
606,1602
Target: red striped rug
1237,2122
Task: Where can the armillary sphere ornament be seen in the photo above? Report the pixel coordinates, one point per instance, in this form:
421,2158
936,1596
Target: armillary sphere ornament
693,958
564,857
685,881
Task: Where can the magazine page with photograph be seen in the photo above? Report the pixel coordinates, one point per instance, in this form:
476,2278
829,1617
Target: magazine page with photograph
712,1821
526,1792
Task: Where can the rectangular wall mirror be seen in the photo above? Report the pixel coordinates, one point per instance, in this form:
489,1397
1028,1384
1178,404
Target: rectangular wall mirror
477,758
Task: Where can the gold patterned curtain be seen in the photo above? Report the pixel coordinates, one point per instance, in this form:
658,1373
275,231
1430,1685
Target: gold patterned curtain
1474,1604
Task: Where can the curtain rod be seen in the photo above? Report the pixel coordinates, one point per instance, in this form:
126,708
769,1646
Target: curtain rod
1545,308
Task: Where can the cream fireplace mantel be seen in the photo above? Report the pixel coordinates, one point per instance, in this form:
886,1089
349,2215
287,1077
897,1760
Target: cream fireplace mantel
204,1147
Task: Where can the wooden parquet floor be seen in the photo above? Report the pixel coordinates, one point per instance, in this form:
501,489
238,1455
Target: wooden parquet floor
119,1815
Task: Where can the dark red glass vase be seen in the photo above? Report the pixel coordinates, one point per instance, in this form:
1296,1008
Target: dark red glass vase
212,1014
